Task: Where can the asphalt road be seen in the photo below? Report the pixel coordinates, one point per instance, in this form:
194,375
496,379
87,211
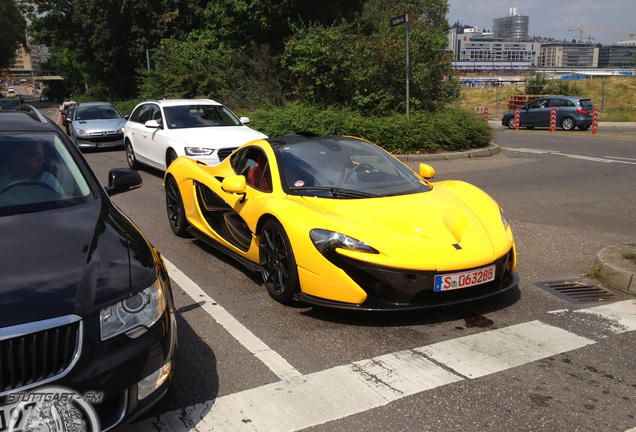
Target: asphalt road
525,361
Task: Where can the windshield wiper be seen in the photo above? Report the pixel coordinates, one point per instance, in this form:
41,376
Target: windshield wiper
335,191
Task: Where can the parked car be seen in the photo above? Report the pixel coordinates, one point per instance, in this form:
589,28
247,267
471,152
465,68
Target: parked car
10,92
44,98
86,299
158,132
339,222
95,125
572,112
64,111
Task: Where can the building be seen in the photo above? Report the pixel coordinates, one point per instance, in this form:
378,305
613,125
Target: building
514,27
570,55
618,56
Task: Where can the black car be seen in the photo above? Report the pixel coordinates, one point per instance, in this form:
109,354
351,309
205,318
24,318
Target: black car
85,299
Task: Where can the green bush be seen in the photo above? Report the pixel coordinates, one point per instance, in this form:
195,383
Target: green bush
451,130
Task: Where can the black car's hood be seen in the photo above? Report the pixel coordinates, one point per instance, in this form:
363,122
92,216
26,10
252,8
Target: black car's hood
69,260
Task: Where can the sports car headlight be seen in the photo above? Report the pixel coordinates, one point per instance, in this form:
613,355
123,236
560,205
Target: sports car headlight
198,151
327,241
503,219
134,315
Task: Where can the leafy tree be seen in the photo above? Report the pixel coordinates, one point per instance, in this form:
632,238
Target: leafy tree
12,31
535,84
363,65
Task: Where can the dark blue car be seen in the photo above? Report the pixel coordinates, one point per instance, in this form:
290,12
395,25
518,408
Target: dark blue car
572,111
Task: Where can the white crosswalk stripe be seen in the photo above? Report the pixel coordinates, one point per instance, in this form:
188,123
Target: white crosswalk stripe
301,401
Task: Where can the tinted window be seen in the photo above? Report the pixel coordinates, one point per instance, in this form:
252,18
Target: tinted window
539,103
348,163
37,172
253,164
192,116
143,113
96,112
586,103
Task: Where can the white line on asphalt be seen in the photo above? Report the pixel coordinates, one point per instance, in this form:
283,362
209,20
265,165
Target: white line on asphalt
573,156
622,315
328,395
268,356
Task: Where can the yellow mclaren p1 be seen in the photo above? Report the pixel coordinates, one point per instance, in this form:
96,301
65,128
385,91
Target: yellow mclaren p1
337,221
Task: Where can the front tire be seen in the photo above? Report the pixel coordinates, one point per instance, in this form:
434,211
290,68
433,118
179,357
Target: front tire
511,123
171,157
278,265
130,156
568,124
174,206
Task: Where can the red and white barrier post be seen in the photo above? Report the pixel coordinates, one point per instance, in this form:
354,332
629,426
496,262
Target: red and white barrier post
553,118
594,121
517,118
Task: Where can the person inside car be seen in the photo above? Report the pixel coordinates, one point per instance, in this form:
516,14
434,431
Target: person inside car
25,162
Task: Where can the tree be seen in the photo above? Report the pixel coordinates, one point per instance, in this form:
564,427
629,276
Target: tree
12,31
363,65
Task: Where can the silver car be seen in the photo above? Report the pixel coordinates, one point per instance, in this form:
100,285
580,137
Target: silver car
96,125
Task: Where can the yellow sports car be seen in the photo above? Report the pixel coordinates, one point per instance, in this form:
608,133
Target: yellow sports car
337,221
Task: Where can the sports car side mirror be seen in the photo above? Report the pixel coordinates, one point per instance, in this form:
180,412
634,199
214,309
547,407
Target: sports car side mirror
427,171
234,185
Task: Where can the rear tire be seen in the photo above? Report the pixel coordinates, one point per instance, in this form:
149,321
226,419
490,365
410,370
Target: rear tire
278,265
568,124
174,206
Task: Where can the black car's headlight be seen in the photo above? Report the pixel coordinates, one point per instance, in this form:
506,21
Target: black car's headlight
134,315
326,241
198,151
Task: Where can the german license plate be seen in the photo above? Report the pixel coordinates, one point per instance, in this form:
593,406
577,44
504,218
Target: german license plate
453,281
109,144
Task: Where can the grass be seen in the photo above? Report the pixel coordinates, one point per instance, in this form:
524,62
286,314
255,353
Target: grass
630,256
594,271
615,97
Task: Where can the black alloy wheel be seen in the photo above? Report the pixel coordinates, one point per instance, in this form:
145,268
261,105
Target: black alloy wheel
174,206
278,265
130,156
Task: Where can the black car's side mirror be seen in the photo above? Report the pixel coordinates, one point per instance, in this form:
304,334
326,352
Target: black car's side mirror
122,180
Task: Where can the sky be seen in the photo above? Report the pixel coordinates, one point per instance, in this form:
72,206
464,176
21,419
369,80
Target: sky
553,18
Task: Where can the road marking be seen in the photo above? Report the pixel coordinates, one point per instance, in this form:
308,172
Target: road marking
621,315
301,401
573,156
342,391
253,344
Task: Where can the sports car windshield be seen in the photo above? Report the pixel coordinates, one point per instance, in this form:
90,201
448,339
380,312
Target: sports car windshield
344,168
196,116
37,173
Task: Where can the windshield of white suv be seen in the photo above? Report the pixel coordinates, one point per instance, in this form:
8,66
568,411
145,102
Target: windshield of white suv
192,116
37,173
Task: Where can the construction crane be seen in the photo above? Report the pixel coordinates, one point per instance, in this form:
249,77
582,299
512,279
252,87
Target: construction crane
581,28
631,35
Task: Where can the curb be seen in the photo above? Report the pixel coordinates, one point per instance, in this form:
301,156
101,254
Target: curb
489,150
616,271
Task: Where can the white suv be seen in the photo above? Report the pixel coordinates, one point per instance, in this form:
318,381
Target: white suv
159,131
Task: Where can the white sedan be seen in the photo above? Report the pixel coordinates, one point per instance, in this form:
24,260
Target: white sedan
159,131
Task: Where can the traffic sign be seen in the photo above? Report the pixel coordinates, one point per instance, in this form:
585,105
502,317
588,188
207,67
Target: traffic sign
399,20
